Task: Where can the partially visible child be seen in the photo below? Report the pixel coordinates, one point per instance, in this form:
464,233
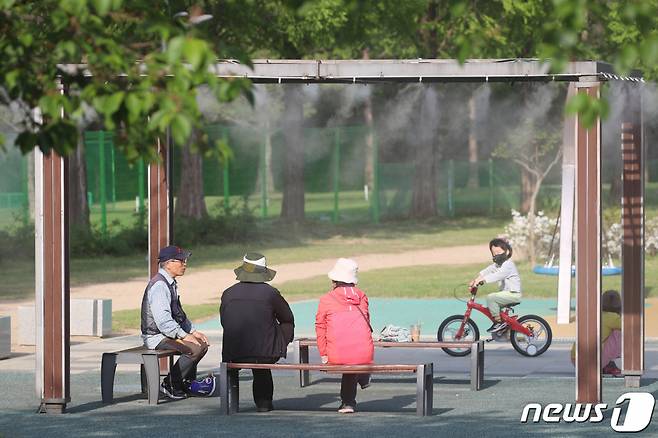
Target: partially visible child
342,325
503,270
610,333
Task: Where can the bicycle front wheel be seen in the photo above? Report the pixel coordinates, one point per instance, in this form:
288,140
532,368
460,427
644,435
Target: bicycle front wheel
448,333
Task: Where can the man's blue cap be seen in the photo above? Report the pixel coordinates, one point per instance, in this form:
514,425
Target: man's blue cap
173,253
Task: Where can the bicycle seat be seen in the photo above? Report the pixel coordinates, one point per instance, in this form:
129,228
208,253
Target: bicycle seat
510,305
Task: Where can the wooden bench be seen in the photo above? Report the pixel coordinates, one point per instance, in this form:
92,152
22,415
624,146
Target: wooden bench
230,390
301,356
149,361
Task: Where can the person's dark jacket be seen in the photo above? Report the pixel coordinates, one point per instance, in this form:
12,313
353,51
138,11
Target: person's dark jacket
257,322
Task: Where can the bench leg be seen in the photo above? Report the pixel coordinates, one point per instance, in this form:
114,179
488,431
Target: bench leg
152,371
304,375
424,389
229,390
142,378
477,365
108,368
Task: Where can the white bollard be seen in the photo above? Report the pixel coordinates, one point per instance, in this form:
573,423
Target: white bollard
88,317
26,325
5,336
103,318
83,317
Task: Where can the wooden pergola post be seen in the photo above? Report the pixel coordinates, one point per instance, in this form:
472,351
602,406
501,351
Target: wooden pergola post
632,220
160,219
160,203
588,256
52,282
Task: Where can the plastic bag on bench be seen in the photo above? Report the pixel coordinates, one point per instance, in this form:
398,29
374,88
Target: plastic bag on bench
393,333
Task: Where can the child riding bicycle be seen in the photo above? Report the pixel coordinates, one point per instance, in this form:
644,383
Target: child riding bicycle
502,270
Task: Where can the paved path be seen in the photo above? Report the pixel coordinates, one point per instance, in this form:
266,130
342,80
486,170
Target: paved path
501,359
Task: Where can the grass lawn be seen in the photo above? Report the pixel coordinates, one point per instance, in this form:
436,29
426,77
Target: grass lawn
313,241
412,282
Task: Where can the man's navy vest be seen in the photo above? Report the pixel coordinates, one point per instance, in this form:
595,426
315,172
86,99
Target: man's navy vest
148,323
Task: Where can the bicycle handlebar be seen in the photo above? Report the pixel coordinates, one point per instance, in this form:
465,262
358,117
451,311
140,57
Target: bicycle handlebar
474,289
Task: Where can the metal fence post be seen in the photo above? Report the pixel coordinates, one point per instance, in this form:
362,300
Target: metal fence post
451,186
375,182
336,172
140,185
491,187
113,176
227,192
101,164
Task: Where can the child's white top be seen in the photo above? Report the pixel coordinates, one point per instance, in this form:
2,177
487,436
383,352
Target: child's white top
506,274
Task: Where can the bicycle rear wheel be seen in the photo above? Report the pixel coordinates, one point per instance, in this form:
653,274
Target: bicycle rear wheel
538,343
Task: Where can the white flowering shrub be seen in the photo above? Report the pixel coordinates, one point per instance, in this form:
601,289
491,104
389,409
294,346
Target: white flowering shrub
518,234
611,241
651,236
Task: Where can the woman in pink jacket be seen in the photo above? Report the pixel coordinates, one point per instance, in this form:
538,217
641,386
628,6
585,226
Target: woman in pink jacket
342,325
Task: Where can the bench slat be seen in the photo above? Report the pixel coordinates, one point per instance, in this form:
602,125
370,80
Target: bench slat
383,344
348,369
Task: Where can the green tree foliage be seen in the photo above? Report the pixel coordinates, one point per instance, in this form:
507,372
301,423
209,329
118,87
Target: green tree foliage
131,62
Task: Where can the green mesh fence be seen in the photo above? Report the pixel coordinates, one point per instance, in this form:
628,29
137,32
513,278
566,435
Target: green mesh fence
334,180
14,201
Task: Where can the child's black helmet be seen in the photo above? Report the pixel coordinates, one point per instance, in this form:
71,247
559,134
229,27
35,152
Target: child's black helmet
501,243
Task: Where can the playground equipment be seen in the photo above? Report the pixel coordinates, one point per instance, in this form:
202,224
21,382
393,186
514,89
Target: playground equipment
549,268
530,335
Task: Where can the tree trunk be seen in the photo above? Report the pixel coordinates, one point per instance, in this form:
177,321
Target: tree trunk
267,128
78,206
292,208
423,203
269,178
615,189
473,180
527,183
531,220
191,202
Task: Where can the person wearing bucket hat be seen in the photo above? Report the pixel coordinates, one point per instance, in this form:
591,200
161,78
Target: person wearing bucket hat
344,333
258,324
165,325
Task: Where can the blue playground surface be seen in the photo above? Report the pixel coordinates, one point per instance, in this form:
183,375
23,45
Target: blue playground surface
405,312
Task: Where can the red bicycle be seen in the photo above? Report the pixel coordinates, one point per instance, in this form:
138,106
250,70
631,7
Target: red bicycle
530,335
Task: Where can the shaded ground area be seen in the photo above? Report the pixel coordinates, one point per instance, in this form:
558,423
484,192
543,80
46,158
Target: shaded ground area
385,409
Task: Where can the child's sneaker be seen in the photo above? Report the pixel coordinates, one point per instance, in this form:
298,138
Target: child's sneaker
203,387
346,409
365,384
497,326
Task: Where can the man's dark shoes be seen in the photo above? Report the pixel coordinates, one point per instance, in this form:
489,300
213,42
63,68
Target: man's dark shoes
172,393
264,407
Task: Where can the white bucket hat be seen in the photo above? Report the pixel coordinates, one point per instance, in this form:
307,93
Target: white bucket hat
344,270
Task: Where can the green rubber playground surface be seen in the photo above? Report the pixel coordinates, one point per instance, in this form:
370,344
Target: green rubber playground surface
405,312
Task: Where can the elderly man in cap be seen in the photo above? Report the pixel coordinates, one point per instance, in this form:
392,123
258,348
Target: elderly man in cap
258,324
165,326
